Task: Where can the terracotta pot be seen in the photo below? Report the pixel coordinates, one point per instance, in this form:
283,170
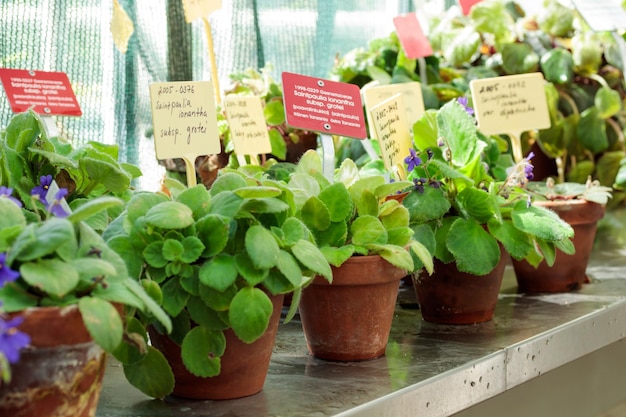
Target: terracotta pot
350,319
449,296
243,366
569,271
60,373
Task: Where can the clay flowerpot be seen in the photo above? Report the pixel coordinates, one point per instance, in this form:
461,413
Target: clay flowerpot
449,296
60,373
350,319
569,271
243,366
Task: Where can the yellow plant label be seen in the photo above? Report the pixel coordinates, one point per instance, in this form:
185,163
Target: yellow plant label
392,132
195,9
122,27
184,119
411,93
510,104
247,125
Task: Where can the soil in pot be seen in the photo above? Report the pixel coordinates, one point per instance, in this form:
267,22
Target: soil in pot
243,366
60,374
449,296
350,319
569,271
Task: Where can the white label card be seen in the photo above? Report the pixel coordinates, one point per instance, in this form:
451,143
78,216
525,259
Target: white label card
411,93
510,104
247,125
392,132
184,119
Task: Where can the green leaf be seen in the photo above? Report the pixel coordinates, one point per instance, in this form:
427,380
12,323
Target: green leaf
592,131
395,217
262,247
289,267
274,113
204,315
214,230
172,249
246,269
150,306
315,214
310,256
423,254
399,236
429,205
395,255
197,198
257,191
153,254
558,66
516,242
519,58
228,181
192,249
608,102
367,230
218,300
277,142
36,242
93,207
219,273
249,314
226,204
170,215
459,131
11,215
174,297
485,251
51,276
102,321
152,375
337,256
337,200
541,222
477,204
201,351
367,204
294,229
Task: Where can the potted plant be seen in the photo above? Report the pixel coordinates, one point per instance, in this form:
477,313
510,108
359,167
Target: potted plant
584,75
580,205
219,262
364,234
470,221
63,291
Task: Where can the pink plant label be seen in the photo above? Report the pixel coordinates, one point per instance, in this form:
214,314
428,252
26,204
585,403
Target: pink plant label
47,93
324,106
466,5
412,38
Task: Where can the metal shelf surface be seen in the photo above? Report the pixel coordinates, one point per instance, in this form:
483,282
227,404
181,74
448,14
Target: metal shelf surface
429,370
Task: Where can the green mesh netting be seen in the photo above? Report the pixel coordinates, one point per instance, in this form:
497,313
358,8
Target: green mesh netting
73,36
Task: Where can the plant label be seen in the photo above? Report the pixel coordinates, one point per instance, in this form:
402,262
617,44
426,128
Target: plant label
47,93
412,98
247,125
328,107
511,105
195,9
602,15
392,132
184,122
466,5
122,27
412,38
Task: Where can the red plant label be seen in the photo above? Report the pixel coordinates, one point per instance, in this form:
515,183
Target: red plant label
466,5
411,36
323,106
48,93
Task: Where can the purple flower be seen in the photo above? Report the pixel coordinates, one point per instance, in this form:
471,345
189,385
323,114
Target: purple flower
42,189
412,160
6,192
463,102
528,167
57,207
11,339
419,184
6,273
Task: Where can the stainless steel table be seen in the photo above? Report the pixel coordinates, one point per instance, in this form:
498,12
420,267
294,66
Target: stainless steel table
429,370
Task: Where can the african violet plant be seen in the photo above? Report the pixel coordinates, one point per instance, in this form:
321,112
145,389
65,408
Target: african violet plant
584,73
354,213
211,258
51,253
460,212
50,256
